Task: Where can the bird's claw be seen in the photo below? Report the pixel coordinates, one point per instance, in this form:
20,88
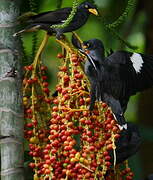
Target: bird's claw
60,36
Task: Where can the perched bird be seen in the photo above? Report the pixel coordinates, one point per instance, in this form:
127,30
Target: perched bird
46,19
115,78
128,143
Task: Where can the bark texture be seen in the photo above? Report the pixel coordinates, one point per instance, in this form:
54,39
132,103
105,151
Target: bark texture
11,111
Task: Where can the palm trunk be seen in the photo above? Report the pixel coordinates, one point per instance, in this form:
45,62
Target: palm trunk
11,112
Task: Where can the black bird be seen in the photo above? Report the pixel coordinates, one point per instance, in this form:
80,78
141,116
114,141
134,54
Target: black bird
150,177
115,78
46,19
128,143
126,146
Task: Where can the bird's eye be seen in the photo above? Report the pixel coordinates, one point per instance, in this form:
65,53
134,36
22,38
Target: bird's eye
86,6
88,44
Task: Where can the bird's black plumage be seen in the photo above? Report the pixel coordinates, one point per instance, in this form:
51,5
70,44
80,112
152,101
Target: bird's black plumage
128,143
116,77
46,19
126,146
150,177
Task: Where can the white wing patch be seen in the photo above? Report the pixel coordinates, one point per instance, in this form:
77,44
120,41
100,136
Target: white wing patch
137,62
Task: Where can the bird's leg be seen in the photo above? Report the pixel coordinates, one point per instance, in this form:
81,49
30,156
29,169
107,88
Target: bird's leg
59,34
117,110
30,28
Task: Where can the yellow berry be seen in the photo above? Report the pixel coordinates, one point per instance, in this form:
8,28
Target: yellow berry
34,140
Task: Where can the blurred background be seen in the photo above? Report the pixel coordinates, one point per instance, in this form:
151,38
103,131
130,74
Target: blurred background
137,29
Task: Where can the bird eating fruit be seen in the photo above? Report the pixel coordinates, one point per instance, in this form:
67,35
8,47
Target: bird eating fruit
115,78
45,20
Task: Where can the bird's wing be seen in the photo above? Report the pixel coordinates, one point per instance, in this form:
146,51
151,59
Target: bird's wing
51,17
116,108
134,71
128,144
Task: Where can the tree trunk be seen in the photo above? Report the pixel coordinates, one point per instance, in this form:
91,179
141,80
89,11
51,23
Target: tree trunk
11,111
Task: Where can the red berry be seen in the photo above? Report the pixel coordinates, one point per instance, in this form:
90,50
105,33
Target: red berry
30,67
45,84
46,90
32,165
60,55
66,78
44,77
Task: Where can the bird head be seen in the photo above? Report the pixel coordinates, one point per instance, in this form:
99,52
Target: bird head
95,48
89,7
93,44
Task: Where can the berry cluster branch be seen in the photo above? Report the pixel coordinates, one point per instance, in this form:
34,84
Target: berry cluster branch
66,140
36,105
121,39
122,18
70,17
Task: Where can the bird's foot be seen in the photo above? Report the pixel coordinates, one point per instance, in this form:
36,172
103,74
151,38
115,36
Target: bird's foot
50,32
60,36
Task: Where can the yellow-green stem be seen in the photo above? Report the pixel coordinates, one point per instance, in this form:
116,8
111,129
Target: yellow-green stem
40,50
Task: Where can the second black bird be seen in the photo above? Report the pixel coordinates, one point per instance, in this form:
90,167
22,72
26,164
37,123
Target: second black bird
115,78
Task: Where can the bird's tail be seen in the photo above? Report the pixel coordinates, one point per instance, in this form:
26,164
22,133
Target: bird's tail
19,32
30,28
26,17
121,121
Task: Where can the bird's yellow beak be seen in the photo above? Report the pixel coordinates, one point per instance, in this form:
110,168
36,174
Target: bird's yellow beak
84,47
93,11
